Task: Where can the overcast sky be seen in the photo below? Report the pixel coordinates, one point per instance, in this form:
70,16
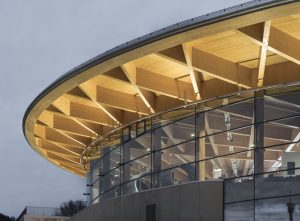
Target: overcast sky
42,39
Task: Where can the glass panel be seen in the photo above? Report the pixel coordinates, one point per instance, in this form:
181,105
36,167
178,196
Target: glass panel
114,192
126,134
227,117
278,209
95,190
281,106
276,158
242,211
95,200
282,131
113,177
137,147
171,116
139,167
238,189
94,170
277,184
148,123
178,175
179,154
133,131
228,142
140,127
229,166
115,158
110,141
176,132
137,185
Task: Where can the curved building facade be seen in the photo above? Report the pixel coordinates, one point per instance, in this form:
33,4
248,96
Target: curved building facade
205,113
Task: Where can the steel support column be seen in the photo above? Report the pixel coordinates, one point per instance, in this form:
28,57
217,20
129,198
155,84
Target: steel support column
200,146
156,157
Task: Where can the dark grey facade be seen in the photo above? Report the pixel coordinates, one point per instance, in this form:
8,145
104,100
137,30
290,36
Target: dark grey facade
193,201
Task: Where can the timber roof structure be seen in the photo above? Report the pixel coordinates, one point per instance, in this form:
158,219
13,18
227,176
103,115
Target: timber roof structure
248,46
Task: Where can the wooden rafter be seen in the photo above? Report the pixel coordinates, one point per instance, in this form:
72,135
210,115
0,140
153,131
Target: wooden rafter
263,53
84,112
65,123
89,88
147,97
222,69
193,74
280,42
121,100
164,85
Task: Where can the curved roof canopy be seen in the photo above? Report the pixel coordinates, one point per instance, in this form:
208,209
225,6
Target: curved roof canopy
248,46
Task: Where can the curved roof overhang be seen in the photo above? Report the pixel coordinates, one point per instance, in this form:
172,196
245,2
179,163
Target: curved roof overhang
248,46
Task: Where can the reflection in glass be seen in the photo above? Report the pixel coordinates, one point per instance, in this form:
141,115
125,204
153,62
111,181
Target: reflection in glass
137,185
241,211
277,209
178,175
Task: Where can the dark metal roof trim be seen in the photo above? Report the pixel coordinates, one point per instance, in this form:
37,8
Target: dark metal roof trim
171,30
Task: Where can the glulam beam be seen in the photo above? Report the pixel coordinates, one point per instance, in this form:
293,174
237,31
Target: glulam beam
281,73
194,76
84,112
263,53
280,43
147,97
66,159
221,68
64,123
48,131
121,100
53,147
90,89
164,85
159,103
51,134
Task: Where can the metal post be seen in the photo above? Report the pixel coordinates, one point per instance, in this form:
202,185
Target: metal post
156,159
200,146
259,143
126,165
106,180
259,133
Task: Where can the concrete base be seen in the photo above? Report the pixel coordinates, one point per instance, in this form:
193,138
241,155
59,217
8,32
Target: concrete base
43,218
198,201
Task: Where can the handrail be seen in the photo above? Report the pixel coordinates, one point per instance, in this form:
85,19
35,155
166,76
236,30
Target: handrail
89,148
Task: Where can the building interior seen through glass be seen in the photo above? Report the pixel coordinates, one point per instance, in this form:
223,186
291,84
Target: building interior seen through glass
249,140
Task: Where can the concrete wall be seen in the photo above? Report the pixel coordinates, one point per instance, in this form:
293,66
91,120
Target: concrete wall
201,201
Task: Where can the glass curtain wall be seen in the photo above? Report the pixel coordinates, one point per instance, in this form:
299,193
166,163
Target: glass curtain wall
271,191
249,140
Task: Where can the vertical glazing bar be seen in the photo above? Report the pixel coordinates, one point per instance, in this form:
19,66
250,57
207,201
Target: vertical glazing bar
259,133
200,146
106,167
151,151
126,166
156,159
101,171
259,143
